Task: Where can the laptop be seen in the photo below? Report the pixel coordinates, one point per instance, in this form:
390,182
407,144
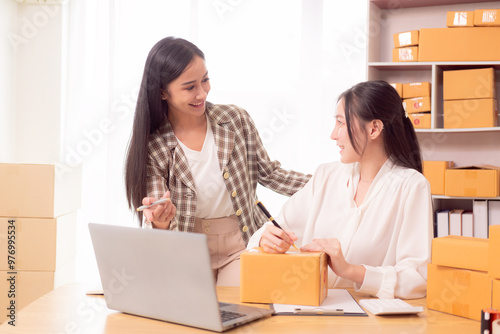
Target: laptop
163,275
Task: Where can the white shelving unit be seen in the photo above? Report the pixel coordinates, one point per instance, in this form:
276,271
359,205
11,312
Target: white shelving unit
465,147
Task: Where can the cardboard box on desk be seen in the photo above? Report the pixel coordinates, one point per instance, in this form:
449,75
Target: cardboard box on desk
38,191
434,173
464,44
37,244
458,291
472,181
461,252
460,19
477,113
20,289
290,278
494,251
469,84
487,17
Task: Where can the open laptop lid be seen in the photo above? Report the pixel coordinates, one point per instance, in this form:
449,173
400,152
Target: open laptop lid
158,274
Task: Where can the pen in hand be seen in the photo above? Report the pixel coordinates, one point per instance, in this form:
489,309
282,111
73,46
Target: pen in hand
270,218
163,200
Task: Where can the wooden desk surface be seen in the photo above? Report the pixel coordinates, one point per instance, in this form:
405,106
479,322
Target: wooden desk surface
68,310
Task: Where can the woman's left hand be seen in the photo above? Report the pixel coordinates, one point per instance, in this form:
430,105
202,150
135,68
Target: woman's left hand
336,259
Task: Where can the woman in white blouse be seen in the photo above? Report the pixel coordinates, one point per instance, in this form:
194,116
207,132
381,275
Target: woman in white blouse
371,212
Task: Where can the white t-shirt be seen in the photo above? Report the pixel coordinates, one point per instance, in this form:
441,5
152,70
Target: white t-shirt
390,233
213,199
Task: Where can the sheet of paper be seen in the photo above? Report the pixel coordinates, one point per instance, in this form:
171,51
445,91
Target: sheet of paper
336,299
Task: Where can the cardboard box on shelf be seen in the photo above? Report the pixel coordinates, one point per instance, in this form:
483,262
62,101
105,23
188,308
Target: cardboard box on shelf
434,173
405,54
407,38
416,105
458,291
416,89
476,113
494,251
398,87
469,84
290,278
472,181
464,44
38,191
495,300
37,244
420,121
460,19
487,18
461,252
20,289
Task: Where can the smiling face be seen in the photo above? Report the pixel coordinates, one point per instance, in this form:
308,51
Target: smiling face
340,134
186,96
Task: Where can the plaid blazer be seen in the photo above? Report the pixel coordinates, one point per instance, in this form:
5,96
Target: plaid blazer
243,163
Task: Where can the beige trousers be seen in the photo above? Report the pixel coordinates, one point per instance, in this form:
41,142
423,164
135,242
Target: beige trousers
225,245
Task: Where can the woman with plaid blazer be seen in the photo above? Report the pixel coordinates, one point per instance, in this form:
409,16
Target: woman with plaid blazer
206,158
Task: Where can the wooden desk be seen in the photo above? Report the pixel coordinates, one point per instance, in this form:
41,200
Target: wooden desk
68,310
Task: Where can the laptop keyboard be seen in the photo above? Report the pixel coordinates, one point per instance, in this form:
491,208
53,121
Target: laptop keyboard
228,315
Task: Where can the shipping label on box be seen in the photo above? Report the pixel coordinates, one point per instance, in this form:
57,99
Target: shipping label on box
416,89
472,181
420,121
487,18
290,278
478,113
417,105
405,54
39,191
398,87
434,173
460,19
494,251
458,291
461,252
469,84
19,289
464,44
407,38
31,244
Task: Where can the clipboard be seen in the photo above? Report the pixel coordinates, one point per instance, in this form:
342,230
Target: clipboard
339,302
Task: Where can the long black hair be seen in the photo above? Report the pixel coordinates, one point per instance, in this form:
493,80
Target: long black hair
378,100
165,62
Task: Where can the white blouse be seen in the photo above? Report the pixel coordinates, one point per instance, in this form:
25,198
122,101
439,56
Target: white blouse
390,233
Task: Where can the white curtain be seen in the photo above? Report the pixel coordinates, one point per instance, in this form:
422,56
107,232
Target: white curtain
284,61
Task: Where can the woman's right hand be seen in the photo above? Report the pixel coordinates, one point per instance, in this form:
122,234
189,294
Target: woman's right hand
276,240
161,214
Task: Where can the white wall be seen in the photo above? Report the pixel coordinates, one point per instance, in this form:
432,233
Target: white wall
38,76
8,14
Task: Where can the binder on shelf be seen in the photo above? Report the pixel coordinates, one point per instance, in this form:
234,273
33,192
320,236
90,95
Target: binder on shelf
456,222
493,213
442,222
467,224
480,216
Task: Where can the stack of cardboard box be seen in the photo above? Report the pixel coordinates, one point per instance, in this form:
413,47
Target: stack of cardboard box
405,46
464,276
472,37
417,103
37,232
469,98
